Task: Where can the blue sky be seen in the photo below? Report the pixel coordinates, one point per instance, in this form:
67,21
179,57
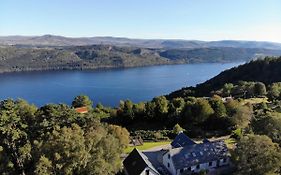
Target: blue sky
169,19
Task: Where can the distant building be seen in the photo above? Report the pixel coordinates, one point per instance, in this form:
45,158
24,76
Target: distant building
82,110
138,164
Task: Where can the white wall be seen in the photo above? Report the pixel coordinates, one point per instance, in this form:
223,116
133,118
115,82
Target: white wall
221,163
150,172
203,166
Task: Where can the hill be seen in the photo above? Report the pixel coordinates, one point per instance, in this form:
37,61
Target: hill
53,40
87,57
266,70
30,58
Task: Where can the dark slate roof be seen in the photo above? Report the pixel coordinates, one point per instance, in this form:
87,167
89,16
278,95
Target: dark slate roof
198,153
136,162
206,141
182,140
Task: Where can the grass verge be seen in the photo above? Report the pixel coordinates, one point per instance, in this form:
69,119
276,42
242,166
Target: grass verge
146,145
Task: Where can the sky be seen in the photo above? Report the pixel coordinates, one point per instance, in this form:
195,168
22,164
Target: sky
149,19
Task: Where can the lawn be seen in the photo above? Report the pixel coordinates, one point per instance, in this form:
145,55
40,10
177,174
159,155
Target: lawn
230,143
255,100
146,145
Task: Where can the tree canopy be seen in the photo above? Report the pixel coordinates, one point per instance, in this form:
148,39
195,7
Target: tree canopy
55,139
257,155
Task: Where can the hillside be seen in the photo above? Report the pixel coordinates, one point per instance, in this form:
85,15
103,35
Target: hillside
267,71
30,58
53,40
90,57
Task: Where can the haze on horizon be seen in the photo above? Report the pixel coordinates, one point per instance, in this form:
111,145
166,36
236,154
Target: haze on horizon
258,20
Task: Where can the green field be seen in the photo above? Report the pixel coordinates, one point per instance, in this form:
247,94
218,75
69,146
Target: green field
230,143
255,100
146,145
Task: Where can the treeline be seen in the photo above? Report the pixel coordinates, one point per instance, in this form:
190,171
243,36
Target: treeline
55,139
200,117
217,54
251,89
266,71
258,150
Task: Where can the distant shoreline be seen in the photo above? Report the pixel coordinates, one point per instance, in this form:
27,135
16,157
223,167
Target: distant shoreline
106,68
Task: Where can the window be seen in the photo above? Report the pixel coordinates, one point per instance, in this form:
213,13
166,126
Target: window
210,163
169,156
168,165
198,166
189,168
224,160
134,163
147,172
181,170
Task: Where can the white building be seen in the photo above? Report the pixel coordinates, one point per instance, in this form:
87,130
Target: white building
193,158
182,158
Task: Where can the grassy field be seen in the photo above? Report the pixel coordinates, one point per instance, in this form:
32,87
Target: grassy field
230,143
255,100
146,145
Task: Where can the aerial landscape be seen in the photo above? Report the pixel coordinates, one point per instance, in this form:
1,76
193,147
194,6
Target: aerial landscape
140,87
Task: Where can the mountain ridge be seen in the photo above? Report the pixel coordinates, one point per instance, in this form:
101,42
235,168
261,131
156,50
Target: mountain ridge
56,40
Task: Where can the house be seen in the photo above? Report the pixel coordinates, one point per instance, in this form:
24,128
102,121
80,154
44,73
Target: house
193,158
138,164
82,110
183,157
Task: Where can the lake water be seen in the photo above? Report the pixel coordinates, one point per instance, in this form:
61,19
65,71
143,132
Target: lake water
105,86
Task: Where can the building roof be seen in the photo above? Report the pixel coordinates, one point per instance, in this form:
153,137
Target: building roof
136,162
198,153
206,140
81,110
182,140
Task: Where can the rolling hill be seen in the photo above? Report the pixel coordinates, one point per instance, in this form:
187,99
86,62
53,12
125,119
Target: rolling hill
266,70
31,58
53,40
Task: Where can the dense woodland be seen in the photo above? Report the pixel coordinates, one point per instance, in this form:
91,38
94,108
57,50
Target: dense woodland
36,58
266,71
55,139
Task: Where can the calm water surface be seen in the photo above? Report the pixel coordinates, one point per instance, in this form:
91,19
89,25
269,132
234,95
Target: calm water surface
106,86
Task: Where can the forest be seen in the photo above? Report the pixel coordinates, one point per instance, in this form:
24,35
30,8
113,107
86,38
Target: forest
55,139
17,58
266,71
